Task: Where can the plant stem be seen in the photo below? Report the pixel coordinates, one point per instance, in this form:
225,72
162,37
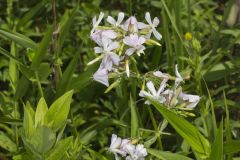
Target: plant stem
39,85
155,127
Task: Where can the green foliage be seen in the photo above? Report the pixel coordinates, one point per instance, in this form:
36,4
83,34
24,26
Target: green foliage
45,50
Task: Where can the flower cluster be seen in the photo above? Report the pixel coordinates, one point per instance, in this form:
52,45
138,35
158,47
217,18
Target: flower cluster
124,148
120,40
170,97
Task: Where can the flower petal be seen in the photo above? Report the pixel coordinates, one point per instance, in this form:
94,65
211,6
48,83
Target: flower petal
120,18
151,88
111,20
179,78
157,34
148,18
100,18
113,45
101,76
155,22
130,51
161,75
142,25
109,34
162,86
115,58
98,50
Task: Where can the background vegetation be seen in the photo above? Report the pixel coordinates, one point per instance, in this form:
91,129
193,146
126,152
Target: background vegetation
45,46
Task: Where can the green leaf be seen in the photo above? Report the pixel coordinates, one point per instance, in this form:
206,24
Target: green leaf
163,155
66,79
7,143
219,71
134,118
185,129
41,111
59,150
28,120
58,111
43,139
22,87
232,146
18,39
42,48
8,55
217,146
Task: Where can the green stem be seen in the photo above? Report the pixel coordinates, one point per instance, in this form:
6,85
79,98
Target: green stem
155,127
39,85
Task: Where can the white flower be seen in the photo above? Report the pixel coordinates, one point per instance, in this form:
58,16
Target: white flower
156,95
115,146
109,60
98,35
135,42
101,76
153,24
192,99
107,46
136,152
131,25
179,78
96,21
112,21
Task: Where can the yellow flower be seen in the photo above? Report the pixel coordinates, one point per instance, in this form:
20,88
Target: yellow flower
188,36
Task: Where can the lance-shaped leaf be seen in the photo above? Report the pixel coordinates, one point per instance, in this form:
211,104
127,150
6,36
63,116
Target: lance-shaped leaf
42,48
193,137
18,39
60,149
41,111
58,111
217,146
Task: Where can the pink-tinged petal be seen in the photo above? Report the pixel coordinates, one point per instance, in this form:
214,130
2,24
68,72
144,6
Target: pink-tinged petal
157,34
113,45
111,20
98,50
148,18
107,63
129,41
130,51
109,34
115,58
120,18
151,88
101,76
142,25
155,22
106,41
